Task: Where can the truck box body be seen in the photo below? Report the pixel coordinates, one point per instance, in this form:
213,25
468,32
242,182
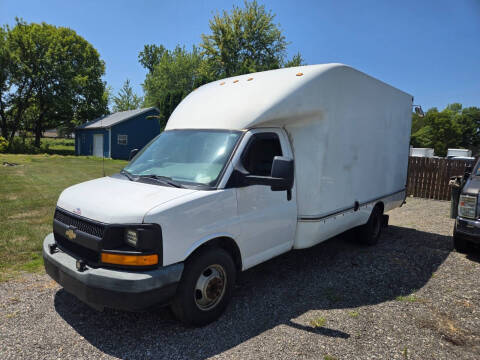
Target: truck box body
349,132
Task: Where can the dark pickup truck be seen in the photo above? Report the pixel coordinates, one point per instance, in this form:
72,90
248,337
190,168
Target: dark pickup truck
466,232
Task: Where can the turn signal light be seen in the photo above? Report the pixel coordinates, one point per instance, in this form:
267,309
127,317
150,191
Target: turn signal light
130,260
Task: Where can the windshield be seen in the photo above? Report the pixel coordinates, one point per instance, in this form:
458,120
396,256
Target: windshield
191,156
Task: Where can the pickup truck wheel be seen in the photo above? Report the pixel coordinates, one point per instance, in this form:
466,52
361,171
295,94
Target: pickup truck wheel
369,233
205,288
460,244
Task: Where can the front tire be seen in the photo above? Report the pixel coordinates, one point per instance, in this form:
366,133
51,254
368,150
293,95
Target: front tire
205,288
369,233
460,244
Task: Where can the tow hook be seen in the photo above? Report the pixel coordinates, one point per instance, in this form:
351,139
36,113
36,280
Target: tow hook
52,248
81,265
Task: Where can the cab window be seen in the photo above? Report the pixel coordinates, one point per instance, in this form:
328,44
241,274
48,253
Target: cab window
259,154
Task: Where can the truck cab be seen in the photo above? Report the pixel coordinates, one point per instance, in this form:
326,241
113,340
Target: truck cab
466,232
186,185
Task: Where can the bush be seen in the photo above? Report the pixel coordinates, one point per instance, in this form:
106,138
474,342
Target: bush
3,144
22,145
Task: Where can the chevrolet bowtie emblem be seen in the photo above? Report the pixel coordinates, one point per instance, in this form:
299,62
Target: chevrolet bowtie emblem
70,234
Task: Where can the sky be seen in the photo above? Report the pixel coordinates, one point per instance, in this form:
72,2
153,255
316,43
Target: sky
428,48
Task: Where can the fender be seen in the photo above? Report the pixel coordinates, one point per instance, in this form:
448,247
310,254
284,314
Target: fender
197,244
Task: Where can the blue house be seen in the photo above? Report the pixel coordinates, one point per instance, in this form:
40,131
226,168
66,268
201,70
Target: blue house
117,134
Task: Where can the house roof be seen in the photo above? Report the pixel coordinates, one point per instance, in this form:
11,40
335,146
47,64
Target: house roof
108,121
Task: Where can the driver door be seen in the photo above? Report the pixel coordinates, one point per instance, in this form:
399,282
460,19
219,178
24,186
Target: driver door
267,218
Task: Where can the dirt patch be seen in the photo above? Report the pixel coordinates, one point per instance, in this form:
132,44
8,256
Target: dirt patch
18,239
26,214
447,328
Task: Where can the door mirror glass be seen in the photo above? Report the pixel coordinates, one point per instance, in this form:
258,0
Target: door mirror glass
282,168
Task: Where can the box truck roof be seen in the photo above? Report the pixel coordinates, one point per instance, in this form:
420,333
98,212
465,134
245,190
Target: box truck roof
271,98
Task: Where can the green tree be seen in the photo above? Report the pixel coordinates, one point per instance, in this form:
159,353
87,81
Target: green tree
54,77
177,73
469,122
296,60
151,56
453,127
126,98
5,63
244,41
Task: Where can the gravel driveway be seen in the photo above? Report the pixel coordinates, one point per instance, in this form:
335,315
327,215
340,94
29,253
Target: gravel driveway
410,297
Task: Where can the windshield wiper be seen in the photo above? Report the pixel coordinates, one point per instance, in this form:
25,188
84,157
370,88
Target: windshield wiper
127,174
163,180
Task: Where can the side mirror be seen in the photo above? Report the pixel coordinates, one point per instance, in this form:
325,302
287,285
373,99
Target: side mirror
280,179
468,171
419,111
282,168
132,154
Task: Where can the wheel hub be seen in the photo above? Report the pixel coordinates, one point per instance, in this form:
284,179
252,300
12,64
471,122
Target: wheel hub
210,287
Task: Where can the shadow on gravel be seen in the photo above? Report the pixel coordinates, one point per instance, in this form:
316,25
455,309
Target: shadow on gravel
337,274
474,255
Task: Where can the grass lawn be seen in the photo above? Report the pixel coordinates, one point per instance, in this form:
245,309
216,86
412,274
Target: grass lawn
28,194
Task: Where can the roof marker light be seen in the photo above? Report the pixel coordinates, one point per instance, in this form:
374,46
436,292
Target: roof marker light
222,83
299,74
235,81
249,79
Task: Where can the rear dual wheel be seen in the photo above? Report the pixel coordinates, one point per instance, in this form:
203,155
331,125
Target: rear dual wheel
369,233
205,288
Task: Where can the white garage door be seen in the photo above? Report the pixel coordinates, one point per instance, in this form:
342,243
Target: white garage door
98,145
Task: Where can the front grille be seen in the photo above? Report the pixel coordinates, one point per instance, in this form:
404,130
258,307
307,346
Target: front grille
75,249
86,226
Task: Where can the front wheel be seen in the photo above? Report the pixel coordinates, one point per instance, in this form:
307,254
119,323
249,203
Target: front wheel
460,244
205,288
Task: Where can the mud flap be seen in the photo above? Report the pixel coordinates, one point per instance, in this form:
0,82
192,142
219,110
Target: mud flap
385,220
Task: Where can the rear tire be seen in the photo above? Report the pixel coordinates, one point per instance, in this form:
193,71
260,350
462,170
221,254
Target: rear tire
369,233
205,288
461,245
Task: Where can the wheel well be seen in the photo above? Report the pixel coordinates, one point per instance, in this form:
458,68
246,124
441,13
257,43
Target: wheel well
225,243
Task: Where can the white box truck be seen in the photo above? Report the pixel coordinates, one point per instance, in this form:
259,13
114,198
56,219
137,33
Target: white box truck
247,168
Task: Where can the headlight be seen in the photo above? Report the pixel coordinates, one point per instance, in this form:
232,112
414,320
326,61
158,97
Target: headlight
467,206
131,237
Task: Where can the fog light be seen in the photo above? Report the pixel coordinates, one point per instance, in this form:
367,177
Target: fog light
131,260
131,237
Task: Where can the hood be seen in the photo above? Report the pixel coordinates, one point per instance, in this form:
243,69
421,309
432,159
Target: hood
112,200
472,187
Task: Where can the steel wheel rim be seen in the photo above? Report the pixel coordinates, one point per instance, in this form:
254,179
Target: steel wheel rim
210,287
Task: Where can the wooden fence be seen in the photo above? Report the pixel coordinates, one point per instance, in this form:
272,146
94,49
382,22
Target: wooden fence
428,177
